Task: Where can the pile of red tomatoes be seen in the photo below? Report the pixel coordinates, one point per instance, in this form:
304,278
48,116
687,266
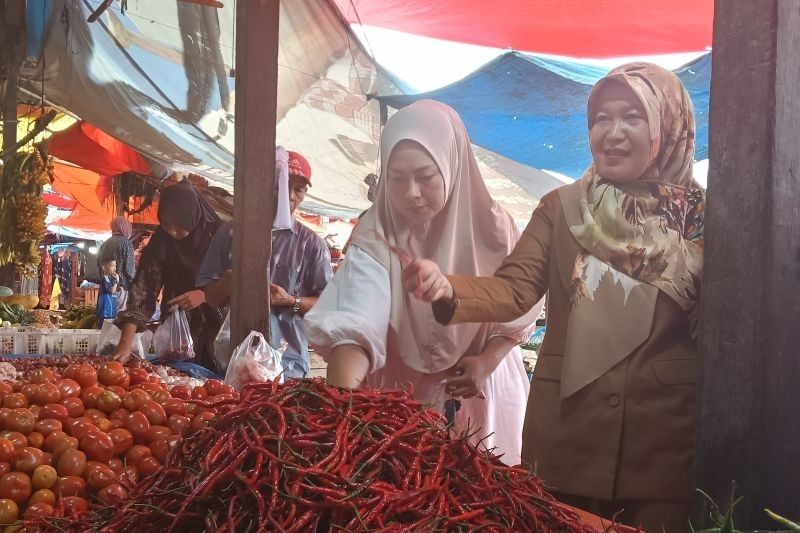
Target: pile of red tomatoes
70,441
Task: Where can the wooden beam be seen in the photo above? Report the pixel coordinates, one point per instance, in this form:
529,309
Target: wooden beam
254,178
749,412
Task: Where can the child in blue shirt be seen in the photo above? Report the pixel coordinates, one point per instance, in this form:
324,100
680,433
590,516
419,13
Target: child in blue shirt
107,295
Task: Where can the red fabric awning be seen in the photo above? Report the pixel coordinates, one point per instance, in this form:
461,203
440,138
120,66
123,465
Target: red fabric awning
577,28
93,209
94,150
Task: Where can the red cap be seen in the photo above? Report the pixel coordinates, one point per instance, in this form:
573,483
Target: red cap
298,166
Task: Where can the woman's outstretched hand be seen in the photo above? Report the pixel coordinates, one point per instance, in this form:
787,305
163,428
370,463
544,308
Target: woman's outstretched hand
424,280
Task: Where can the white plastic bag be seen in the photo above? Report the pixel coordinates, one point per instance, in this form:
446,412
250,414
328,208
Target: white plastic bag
222,346
109,339
254,361
173,339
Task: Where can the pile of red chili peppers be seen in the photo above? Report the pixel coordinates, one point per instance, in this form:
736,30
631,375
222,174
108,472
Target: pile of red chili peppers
306,456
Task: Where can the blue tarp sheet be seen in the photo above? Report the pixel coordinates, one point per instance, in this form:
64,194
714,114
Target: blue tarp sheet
533,110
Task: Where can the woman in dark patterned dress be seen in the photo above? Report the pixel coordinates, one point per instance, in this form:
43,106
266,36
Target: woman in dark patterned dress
170,262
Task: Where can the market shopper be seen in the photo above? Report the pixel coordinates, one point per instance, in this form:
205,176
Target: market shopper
610,421
108,293
120,248
170,261
432,203
300,265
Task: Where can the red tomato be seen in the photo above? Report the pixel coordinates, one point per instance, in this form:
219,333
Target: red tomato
136,453
213,386
53,439
179,425
173,406
123,440
36,439
71,463
181,392
160,449
111,373
108,401
46,393
151,387
85,375
155,433
44,477
191,409
95,415
28,458
6,387
90,395
69,388
98,447
42,375
227,389
75,506
117,423
138,375
15,486
48,426
38,510
68,443
154,412
104,425
80,427
100,477
116,464
15,400
148,466
43,496
3,414
134,399
74,406
71,486
9,511
138,424
17,439
199,393
61,412
119,414
21,420
28,389
112,494
201,420
6,450
5,467
119,390
160,396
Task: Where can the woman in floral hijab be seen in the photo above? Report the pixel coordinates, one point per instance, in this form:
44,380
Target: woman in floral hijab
610,419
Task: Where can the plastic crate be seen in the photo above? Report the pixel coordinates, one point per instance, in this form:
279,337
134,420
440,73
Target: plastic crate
12,341
67,341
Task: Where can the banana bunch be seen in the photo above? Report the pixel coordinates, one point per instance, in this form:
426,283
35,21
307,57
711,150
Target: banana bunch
22,210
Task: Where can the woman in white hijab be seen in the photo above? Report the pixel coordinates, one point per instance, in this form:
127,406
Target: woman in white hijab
432,203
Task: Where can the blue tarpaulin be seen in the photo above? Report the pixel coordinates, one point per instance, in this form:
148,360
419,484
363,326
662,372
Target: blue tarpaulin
533,110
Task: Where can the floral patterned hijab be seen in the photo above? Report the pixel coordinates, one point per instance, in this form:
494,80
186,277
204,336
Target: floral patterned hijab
650,230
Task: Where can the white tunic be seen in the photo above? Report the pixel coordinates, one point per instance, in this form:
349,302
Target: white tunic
354,309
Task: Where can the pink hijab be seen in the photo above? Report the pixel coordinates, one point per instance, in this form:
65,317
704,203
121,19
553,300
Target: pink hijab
471,236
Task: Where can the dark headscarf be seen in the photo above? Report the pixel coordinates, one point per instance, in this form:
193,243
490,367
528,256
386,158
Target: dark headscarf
184,207
121,226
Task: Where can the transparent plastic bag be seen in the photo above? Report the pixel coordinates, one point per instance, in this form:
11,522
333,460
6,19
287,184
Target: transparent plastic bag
254,361
173,339
222,346
109,339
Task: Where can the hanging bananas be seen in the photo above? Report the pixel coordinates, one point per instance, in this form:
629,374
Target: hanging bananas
22,210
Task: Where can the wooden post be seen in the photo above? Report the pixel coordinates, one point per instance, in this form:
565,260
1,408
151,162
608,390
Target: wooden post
254,180
749,410
13,28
